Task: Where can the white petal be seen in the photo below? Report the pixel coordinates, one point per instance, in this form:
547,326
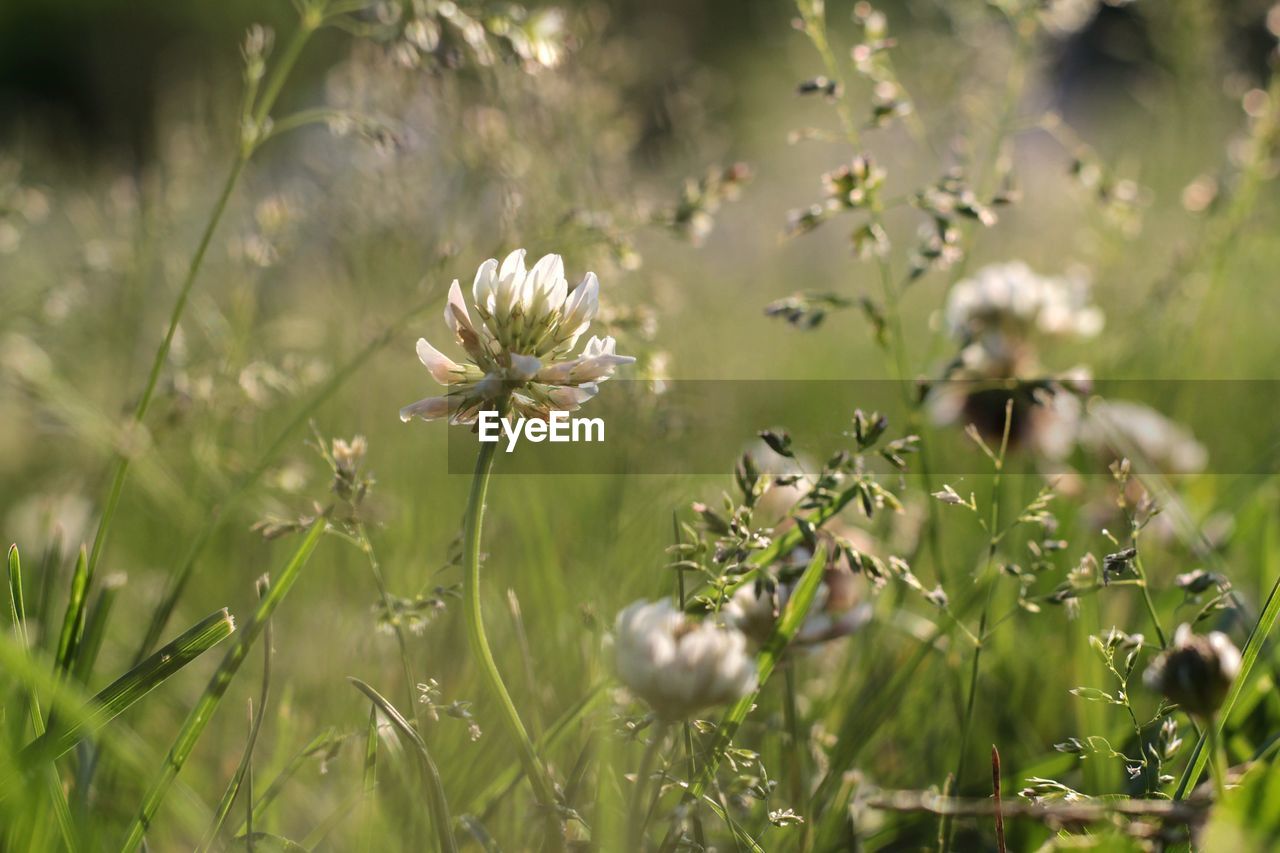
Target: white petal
513,265
483,286
442,368
456,316
547,281
430,409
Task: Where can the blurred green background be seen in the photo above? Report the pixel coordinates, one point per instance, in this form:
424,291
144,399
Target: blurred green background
120,120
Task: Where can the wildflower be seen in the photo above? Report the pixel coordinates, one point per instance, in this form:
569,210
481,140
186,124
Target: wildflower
1196,671
754,609
519,344
1004,303
1123,428
680,665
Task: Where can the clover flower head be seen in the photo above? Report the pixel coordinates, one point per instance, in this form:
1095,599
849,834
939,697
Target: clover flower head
519,344
1122,427
1011,299
1196,671
835,613
678,664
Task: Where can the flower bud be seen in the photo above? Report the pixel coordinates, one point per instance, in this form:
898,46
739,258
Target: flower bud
1196,671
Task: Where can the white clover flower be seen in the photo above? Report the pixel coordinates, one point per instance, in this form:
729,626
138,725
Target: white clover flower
680,665
1196,671
1012,299
519,346
1124,428
834,614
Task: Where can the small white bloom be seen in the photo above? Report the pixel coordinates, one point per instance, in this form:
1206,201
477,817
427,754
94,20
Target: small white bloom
1124,428
835,612
519,346
680,665
1011,299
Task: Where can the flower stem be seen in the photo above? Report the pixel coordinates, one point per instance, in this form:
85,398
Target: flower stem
543,788
640,809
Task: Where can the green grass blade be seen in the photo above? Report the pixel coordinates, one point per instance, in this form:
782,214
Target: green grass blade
431,775
212,696
95,628
163,612
73,620
506,782
132,686
17,610
255,726
793,616
1249,656
322,744
371,753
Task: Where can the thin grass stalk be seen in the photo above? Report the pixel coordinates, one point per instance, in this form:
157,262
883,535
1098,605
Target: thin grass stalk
57,795
946,827
638,814
436,799
406,665
311,20
125,691
789,622
212,696
178,580
244,769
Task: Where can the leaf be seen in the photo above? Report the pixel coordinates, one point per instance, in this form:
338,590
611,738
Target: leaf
73,620
414,742
246,757
208,703
793,616
122,693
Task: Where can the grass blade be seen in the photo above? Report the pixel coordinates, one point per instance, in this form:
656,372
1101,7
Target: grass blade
255,726
17,610
371,753
209,701
793,616
132,686
73,620
323,744
95,628
412,740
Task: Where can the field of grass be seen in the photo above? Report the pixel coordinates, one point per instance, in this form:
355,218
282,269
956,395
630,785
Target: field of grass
953,397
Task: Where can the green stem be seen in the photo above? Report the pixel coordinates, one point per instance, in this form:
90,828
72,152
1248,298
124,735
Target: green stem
362,537
947,825
1146,598
244,151
543,788
203,711
638,818
124,454
1218,756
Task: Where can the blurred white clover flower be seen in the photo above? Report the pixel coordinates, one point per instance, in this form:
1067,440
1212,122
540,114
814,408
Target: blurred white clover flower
1011,299
1196,671
678,664
520,344
1124,428
835,612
